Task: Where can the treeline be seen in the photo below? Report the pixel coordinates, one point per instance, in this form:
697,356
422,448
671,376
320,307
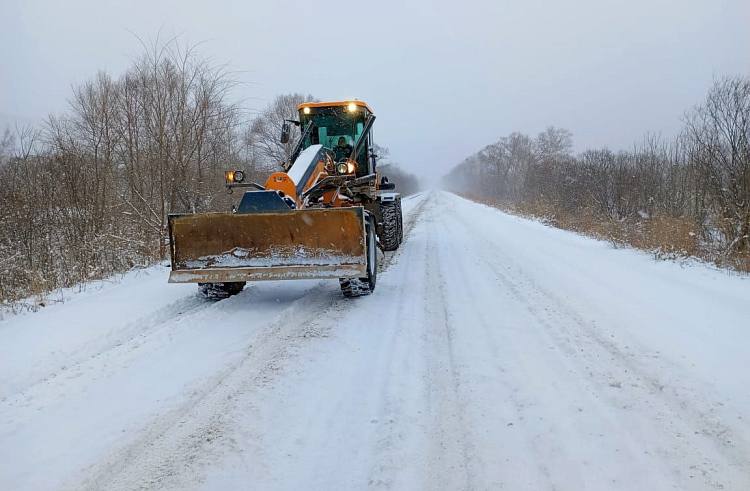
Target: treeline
406,183
87,194
687,196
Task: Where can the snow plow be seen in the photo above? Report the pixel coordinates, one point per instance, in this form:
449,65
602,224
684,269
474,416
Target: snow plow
324,216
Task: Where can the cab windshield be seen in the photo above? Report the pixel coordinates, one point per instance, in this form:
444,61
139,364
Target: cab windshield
330,124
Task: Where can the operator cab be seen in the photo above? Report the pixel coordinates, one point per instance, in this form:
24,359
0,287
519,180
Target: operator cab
340,127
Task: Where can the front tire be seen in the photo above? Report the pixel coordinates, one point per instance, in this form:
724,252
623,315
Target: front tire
219,291
357,287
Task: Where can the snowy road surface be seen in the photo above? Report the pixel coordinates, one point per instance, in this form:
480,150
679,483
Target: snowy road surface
495,353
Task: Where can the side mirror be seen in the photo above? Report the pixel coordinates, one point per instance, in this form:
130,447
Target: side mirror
284,133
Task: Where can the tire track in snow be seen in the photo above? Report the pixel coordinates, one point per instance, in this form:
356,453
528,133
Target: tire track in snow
397,360
87,360
681,413
486,348
449,453
387,461
174,441
116,354
678,409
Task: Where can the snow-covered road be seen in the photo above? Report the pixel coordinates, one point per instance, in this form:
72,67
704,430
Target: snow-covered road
495,353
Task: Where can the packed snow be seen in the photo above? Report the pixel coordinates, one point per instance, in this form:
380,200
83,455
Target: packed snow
240,257
495,353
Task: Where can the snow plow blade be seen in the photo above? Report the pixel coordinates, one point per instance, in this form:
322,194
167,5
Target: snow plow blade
297,244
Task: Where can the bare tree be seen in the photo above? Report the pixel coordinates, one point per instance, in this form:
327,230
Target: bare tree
6,145
554,143
719,135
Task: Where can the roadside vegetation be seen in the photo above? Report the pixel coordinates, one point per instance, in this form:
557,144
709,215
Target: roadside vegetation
688,196
86,194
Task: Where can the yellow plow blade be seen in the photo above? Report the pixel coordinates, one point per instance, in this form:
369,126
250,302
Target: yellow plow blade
299,244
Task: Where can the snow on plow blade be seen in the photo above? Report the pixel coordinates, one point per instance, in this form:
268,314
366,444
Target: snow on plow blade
298,244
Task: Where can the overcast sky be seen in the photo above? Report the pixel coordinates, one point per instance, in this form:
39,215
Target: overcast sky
444,78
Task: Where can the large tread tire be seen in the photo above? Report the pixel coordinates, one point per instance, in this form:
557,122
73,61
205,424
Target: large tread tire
354,287
219,291
390,213
400,222
357,287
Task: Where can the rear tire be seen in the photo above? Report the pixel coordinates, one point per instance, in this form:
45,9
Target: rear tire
219,291
357,287
400,222
390,213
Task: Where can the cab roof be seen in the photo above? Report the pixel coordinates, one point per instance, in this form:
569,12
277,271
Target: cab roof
335,103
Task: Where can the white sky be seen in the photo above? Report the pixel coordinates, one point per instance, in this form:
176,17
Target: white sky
444,78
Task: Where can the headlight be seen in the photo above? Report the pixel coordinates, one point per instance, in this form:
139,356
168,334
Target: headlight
345,167
234,176
306,110
351,107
